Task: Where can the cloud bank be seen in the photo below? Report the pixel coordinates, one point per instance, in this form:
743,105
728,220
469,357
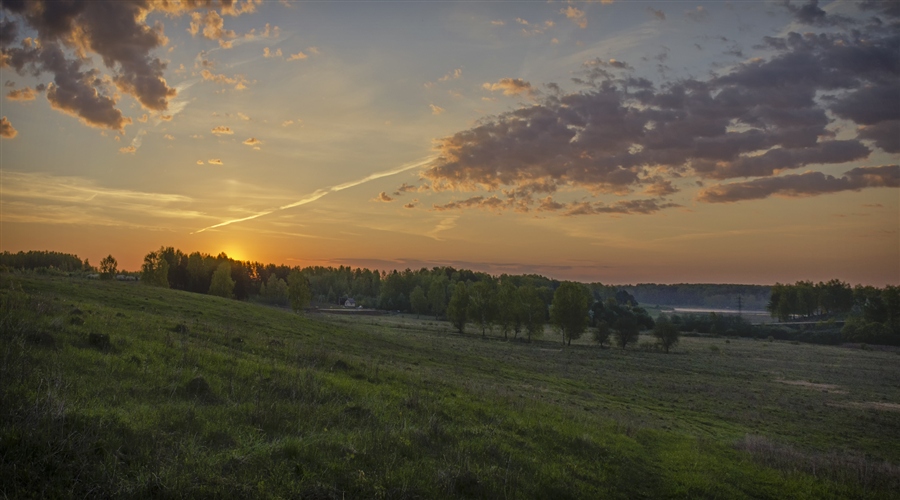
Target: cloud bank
623,133
800,185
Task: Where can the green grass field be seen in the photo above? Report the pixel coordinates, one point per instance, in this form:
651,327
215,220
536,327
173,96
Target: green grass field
197,396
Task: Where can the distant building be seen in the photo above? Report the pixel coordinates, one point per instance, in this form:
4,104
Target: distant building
349,303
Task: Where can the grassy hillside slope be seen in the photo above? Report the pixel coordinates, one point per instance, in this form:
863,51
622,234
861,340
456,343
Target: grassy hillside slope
197,396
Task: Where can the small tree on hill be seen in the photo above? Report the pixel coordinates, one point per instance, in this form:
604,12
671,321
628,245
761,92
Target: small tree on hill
569,311
155,270
666,333
601,333
222,285
298,291
108,267
626,330
457,310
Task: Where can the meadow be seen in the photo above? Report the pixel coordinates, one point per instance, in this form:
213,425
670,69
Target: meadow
111,389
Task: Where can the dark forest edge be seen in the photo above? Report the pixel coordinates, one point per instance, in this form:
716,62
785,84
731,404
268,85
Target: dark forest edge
830,312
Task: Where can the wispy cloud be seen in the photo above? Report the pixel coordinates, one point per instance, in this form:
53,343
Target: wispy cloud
322,192
25,94
45,198
511,87
444,225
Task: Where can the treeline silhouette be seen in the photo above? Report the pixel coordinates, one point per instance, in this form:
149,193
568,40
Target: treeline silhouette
42,259
388,290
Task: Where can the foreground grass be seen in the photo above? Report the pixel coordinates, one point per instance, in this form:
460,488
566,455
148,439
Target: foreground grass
198,396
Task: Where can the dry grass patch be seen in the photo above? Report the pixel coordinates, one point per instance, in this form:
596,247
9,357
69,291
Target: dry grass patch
836,389
867,405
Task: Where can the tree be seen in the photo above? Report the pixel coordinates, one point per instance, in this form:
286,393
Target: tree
626,330
418,301
222,285
666,333
199,271
482,306
298,291
457,310
533,309
437,295
87,266
108,267
508,308
155,270
601,333
569,310
275,290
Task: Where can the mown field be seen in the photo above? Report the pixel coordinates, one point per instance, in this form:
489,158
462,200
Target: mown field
197,396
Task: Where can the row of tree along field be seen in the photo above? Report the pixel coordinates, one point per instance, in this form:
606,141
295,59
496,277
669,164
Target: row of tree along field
509,304
872,314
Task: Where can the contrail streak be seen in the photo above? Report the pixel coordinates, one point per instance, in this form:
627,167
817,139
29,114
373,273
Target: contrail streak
322,192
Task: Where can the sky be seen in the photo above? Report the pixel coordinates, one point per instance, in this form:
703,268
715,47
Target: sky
615,141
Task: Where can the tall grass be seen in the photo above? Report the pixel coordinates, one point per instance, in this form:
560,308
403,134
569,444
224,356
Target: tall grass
196,396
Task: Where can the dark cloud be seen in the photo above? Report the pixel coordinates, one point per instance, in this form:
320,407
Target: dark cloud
548,204
6,129
810,13
8,32
659,14
114,30
807,184
887,8
383,196
779,159
480,202
885,135
620,207
871,104
79,93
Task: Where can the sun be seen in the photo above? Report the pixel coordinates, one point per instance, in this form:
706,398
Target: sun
235,252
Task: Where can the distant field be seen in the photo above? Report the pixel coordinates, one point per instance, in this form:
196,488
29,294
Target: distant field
198,396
